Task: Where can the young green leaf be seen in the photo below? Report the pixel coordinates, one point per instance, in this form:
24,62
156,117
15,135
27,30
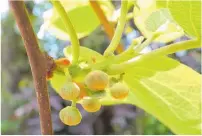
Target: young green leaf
150,19
170,92
58,81
157,18
141,13
186,13
86,54
82,17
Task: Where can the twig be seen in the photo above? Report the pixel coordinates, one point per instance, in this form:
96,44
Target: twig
130,52
37,63
70,29
119,30
107,26
147,42
169,49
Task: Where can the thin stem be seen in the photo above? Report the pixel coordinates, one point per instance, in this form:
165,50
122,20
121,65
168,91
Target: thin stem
169,49
119,30
129,16
72,33
172,48
103,64
147,42
130,52
106,24
37,62
73,103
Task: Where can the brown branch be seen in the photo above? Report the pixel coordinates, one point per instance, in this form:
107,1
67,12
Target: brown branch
103,20
37,62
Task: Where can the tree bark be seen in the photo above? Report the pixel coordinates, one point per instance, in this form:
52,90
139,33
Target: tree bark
37,62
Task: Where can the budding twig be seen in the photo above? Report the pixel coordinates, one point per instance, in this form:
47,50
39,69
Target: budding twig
37,62
169,49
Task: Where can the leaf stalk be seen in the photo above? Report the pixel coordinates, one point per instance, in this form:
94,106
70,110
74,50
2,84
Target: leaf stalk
119,30
70,29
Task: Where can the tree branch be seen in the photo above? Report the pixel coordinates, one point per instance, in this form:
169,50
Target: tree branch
103,20
37,62
119,30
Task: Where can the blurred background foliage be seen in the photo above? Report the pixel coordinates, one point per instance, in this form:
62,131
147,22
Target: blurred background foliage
18,102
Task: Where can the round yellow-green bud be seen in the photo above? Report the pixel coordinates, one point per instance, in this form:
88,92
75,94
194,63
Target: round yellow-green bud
70,91
119,90
97,80
70,116
91,104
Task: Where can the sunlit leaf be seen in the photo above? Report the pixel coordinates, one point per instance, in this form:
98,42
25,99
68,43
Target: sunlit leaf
85,54
141,13
157,18
171,31
82,17
161,20
186,13
170,92
58,81
149,19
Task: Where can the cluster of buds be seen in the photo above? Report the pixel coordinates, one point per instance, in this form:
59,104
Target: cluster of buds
87,92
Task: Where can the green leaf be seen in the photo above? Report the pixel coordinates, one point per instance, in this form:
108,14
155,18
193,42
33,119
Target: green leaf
86,54
58,81
150,19
82,17
141,13
170,92
157,18
161,20
186,13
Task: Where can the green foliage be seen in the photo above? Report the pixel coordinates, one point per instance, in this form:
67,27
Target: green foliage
82,17
150,19
186,13
157,18
85,54
163,87
166,92
58,81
